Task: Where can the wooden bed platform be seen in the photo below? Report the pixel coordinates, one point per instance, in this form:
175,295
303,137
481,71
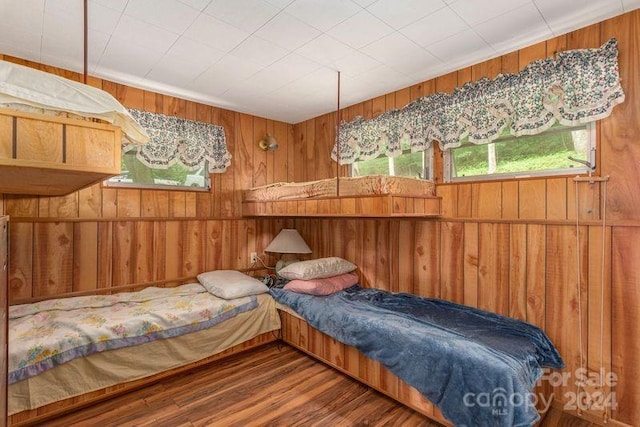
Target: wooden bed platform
373,206
58,408
37,416
348,360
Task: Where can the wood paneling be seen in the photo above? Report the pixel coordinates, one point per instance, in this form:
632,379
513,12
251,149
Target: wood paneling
4,317
507,246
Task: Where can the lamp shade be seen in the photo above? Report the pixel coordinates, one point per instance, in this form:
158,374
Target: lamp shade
288,241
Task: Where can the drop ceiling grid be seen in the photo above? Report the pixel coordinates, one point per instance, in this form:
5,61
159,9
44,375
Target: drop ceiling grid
279,58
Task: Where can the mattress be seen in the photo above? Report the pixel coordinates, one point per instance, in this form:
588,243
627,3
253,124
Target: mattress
105,369
353,186
451,353
31,88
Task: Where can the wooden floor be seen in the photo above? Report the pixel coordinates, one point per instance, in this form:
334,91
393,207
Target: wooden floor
274,385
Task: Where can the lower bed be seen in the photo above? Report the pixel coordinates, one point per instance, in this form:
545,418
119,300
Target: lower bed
478,368
121,366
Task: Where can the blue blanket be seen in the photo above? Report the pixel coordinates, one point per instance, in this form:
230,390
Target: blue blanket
478,367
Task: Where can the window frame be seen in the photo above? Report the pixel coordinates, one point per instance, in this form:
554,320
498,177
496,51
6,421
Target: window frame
427,160
578,169
205,188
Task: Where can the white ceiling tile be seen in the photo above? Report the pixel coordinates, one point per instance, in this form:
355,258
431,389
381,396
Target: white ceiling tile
65,62
323,80
421,61
259,51
519,27
64,44
372,58
146,35
174,71
208,87
466,46
196,4
401,13
19,42
401,54
629,5
352,89
243,94
323,14
247,15
284,71
356,64
170,15
360,30
100,18
474,12
364,3
385,76
287,31
281,4
215,33
198,54
224,74
561,16
325,50
125,58
118,5
437,26
22,14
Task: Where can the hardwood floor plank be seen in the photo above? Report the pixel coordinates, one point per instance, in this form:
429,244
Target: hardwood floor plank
273,385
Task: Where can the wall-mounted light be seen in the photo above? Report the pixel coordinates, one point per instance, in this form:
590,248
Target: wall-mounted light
268,143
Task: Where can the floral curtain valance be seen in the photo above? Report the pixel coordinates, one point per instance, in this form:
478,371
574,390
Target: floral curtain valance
186,142
578,86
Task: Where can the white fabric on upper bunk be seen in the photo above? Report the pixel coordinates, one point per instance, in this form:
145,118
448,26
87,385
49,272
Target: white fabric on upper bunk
27,86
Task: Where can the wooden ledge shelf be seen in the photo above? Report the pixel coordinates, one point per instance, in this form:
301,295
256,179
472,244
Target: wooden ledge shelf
52,156
374,206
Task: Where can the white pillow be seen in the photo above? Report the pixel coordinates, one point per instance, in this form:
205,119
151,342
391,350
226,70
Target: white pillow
317,268
230,284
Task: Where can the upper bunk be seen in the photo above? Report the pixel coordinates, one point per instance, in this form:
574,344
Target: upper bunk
363,196
58,135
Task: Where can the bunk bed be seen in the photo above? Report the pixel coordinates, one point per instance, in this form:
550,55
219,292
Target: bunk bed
58,135
363,196
476,367
70,352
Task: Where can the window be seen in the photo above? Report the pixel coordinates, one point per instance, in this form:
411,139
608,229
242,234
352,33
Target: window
415,165
546,153
139,175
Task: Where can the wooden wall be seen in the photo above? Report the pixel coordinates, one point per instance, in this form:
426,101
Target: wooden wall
508,246
512,246
101,237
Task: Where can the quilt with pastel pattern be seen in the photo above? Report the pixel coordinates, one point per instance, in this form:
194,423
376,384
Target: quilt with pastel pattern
52,332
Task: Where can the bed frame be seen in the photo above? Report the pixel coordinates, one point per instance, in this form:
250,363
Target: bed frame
39,415
348,360
295,332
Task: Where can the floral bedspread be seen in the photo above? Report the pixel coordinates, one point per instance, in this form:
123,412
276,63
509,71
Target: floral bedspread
50,333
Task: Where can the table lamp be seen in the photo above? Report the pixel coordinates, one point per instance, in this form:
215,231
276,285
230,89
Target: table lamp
288,241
